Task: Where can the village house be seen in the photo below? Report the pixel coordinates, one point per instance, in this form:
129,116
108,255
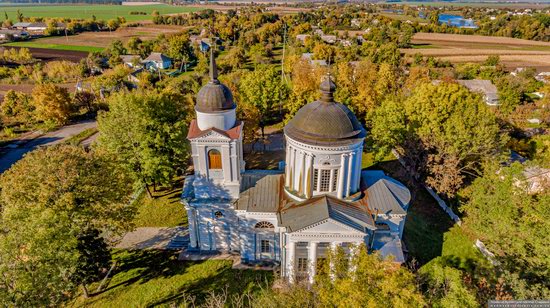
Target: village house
9,34
131,61
485,87
156,61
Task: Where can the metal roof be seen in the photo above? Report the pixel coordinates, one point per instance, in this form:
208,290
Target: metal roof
301,215
384,195
214,96
157,56
388,245
262,191
325,122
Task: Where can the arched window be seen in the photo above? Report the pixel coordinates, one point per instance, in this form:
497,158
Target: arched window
264,225
218,214
382,226
214,159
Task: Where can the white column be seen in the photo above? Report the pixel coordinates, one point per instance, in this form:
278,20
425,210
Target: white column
331,180
226,163
303,173
292,168
308,179
333,247
350,171
192,228
291,247
312,261
342,172
287,166
352,255
204,162
357,169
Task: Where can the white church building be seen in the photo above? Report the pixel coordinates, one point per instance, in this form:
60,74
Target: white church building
322,199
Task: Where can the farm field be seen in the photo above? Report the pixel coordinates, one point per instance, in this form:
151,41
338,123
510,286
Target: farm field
45,45
104,12
91,41
458,48
514,5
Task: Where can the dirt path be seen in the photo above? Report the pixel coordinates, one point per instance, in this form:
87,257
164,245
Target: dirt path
15,153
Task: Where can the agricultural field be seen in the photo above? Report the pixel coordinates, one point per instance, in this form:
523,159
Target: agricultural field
104,12
501,5
458,48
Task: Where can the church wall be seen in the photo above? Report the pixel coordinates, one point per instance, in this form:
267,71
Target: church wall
214,232
395,222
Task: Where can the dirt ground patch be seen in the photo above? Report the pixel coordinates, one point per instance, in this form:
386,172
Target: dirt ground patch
461,38
458,48
102,39
56,55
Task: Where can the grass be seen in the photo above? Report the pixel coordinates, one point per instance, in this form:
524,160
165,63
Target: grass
101,12
149,278
83,135
164,210
31,44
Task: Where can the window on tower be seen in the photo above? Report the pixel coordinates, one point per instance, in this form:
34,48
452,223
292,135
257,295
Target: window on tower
214,159
325,180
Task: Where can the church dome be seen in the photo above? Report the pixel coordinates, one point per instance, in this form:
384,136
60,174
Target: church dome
325,122
214,96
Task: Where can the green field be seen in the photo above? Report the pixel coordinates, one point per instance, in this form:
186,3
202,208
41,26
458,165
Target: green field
104,12
31,44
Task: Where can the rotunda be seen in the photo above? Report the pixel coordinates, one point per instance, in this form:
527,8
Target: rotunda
324,148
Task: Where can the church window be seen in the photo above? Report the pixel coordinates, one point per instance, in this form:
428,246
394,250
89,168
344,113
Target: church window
315,178
302,265
382,226
214,159
218,214
335,180
264,225
325,180
265,246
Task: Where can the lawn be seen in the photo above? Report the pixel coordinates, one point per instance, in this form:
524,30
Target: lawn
151,278
164,210
101,12
31,44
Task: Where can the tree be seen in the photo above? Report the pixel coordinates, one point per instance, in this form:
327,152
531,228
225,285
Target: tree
364,280
264,89
146,131
443,132
52,103
49,202
444,286
179,48
17,106
509,218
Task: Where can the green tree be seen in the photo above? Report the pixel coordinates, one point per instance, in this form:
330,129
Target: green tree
18,107
179,48
364,280
52,103
263,89
444,286
443,132
509,216
146,131
49,201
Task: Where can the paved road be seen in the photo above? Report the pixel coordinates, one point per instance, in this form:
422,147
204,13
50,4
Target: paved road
51,138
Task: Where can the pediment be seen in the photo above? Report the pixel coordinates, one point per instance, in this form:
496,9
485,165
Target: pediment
330,226
213,135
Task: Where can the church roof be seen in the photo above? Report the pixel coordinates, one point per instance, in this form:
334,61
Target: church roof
196,132
261,192
383,194
325,122
214,96
301,215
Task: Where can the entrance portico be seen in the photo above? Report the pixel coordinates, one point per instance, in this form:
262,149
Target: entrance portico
304,253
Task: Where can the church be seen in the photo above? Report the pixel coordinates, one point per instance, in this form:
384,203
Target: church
292,217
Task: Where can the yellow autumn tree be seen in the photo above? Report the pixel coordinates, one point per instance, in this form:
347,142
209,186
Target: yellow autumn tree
52,103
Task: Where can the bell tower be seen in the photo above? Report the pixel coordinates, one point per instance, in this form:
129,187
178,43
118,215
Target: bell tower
216,141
